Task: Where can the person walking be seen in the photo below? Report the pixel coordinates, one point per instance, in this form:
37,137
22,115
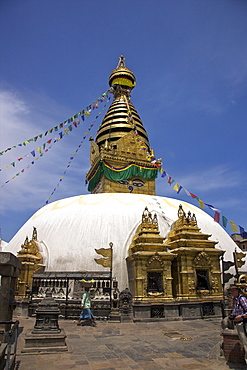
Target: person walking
86,313
239,315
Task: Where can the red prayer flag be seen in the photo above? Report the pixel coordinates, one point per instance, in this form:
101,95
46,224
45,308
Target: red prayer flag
217,217
193,195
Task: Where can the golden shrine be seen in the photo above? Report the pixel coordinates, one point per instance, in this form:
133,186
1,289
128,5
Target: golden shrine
149,263
31,261
196,268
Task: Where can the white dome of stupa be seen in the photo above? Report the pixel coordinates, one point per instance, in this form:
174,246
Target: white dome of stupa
69,230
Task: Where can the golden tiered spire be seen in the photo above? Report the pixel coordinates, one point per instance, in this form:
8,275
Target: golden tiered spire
122,116
121,158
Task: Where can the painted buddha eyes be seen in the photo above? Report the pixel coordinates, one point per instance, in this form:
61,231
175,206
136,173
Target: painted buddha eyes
137,182
132,183
124,182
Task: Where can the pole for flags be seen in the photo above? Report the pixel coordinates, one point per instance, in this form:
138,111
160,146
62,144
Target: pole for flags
111,246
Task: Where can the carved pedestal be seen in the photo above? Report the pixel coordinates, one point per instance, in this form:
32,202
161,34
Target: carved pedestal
46,335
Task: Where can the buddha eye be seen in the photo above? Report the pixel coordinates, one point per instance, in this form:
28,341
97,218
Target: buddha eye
138,183
124,182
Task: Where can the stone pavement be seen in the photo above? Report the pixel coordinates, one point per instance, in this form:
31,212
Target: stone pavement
193,344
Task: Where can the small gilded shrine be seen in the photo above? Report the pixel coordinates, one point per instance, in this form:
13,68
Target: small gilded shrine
149,263
196,269
31,261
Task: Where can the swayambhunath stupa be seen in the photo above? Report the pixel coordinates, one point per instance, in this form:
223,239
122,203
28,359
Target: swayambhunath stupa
161,256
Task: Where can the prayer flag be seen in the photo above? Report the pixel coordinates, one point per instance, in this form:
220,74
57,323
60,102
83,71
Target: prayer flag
243,233
176,187
201,203
212,207
224,221
187,192
234,227
217,217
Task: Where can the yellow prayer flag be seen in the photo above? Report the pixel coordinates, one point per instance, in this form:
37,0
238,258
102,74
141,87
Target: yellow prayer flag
176,187
105,252
201,203
39,149
234,227
105,262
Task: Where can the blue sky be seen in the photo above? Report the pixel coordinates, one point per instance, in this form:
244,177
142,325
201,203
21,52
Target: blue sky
189,59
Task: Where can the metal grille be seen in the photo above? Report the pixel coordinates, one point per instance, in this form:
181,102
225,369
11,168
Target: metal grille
157,311
208,309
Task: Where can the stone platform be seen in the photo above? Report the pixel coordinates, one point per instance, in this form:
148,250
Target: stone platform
177,345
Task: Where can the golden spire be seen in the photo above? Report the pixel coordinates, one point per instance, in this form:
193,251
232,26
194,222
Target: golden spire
121,116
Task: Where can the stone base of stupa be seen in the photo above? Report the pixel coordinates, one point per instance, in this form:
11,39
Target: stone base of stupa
45,342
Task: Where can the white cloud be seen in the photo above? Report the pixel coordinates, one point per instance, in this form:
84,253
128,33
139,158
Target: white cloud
23,118
218,177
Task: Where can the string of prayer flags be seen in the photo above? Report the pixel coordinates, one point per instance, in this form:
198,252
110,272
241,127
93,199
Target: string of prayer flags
52,141
69,120
217,213
23,170
61,135
43,146
73,154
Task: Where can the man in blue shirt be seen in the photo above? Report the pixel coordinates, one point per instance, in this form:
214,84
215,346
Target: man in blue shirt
239,315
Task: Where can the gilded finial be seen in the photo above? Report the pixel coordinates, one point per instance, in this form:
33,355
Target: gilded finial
181,213
122,77
121,62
